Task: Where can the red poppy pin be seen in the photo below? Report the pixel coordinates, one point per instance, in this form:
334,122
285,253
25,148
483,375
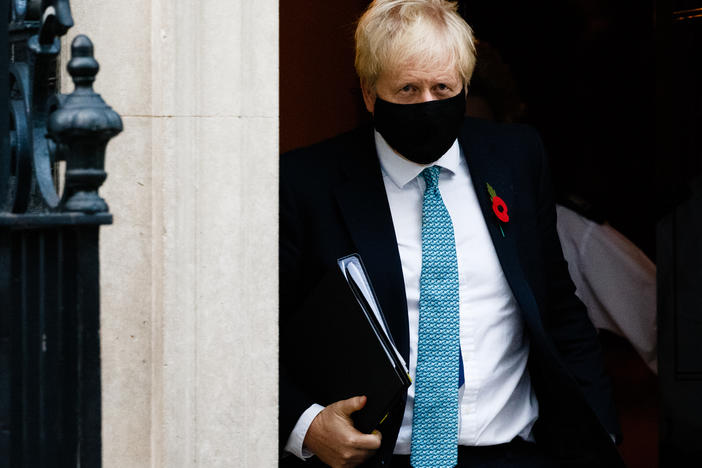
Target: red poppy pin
499,207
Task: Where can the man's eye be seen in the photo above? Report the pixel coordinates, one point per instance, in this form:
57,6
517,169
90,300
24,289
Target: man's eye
442,87
406,89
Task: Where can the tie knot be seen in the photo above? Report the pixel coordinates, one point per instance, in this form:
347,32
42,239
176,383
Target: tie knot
431,177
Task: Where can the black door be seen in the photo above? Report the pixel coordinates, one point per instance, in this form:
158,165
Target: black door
679,94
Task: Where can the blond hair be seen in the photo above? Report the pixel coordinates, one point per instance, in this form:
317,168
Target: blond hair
392,33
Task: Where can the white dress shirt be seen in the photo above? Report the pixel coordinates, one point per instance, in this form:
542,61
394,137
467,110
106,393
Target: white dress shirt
497,402
615,280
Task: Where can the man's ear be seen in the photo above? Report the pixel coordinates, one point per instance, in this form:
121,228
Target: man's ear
368,97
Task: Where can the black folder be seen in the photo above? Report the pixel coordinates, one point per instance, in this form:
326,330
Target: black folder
341,350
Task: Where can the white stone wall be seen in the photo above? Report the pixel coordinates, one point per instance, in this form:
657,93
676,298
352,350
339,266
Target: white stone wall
189,268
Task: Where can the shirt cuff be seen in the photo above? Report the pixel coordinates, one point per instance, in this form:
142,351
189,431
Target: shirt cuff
297,436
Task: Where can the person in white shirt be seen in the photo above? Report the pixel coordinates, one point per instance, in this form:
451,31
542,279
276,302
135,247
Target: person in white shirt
615,280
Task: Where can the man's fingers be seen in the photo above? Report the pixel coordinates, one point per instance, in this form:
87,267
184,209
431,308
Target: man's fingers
334,439
352,405
368,441
358,439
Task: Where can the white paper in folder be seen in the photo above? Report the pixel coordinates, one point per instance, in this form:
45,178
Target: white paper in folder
353,265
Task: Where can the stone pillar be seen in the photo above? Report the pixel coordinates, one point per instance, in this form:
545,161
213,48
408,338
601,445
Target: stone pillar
189,268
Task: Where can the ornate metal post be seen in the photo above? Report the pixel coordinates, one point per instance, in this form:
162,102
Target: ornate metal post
49,261
81,128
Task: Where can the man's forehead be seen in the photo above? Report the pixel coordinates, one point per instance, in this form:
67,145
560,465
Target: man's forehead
417,68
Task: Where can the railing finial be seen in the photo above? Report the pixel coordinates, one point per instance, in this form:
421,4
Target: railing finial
83,124
82,67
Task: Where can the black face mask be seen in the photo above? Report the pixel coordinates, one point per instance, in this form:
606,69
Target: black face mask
420,132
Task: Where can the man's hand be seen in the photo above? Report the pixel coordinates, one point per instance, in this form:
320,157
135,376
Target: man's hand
332,437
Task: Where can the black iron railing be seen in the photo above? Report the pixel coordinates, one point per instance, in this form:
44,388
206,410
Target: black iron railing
51,166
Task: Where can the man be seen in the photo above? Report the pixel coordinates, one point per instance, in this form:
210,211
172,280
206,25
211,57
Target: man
456,225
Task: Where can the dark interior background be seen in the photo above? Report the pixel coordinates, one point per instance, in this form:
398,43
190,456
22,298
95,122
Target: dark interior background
319,93
585,70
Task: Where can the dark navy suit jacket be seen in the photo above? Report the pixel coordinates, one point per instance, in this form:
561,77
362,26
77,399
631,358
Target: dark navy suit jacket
333,203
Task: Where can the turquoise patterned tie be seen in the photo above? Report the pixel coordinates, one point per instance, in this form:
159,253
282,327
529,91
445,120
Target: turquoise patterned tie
435,419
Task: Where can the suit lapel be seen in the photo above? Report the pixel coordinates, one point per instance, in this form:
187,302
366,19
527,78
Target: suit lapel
488,166
365,210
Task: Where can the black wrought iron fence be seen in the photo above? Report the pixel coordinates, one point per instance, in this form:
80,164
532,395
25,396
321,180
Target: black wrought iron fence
51,166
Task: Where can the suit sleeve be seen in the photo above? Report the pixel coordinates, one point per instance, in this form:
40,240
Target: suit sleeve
293,401
566,320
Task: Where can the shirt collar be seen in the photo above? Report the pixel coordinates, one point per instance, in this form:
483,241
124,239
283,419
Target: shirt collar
401,171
